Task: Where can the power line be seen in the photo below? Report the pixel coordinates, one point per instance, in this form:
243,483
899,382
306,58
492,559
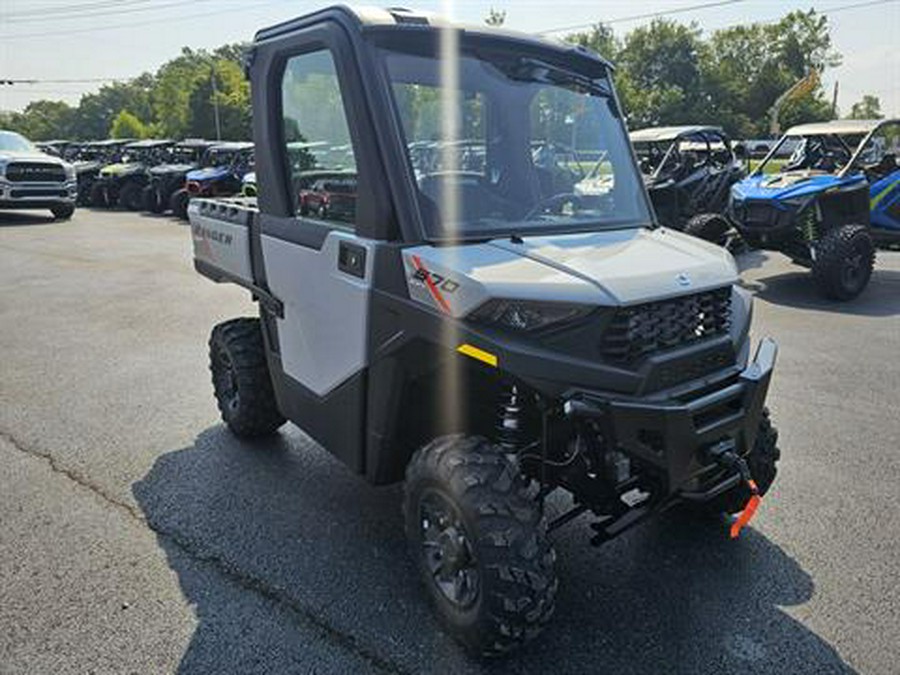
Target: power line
89,15
136,24
681,10
870,3
52,12
7,81
637,17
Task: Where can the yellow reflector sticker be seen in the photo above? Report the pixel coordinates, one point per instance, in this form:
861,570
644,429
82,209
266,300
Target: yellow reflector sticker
478,354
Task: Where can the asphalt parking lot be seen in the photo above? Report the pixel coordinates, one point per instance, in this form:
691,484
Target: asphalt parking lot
138,536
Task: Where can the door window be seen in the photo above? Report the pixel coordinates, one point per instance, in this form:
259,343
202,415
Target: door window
321,163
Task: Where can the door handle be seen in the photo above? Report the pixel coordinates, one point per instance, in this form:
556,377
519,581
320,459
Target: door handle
352,259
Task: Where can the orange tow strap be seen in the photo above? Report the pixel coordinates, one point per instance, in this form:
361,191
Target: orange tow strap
749,510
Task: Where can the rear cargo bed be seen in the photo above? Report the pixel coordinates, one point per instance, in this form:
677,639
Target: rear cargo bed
224,233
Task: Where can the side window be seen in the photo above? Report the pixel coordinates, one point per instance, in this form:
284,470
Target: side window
319,152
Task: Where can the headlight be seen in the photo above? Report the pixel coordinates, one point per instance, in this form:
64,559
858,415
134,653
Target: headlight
70,172
527,315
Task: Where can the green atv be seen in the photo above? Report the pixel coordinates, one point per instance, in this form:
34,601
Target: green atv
89,158
122,184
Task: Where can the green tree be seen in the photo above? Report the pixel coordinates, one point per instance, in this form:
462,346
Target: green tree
231,94
868,108
127,125
746,68
43,120
600,39
660,79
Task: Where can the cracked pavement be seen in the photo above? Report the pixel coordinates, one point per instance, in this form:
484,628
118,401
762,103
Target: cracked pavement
137,535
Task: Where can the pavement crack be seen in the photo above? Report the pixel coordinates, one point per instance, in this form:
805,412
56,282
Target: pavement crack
220,564
280,597
72,475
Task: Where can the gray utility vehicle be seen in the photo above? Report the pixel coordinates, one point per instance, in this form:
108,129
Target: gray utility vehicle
487,350
31,179
689,171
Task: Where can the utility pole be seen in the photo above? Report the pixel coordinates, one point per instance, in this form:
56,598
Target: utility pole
212,77
834,100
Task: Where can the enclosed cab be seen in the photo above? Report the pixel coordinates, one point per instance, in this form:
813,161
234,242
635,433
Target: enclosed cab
468,322
32,179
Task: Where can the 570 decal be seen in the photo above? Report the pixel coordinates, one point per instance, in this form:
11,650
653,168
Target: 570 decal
436,280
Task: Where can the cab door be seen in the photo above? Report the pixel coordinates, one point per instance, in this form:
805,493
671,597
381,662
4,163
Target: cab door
309,126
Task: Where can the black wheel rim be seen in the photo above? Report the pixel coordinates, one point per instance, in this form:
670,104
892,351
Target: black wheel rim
226,380
447,550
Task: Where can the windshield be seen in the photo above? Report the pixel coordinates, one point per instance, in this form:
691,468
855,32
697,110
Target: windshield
539,149
825,153
13,142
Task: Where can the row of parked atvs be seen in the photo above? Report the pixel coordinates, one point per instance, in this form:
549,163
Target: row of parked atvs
826,195
157,175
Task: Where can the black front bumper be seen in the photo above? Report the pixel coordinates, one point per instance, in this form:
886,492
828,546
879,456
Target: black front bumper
671,438
763,222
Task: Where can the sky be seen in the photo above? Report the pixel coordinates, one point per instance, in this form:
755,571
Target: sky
118,39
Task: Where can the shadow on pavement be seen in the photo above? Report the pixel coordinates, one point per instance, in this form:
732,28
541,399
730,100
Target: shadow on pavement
750,259
320,550
798,289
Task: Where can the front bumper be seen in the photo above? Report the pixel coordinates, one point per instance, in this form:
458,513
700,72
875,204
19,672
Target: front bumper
766,221
24,195
672,437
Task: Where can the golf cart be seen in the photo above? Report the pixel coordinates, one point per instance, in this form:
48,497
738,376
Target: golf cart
829,205
471,331
688,171
225,165
168,178
123,183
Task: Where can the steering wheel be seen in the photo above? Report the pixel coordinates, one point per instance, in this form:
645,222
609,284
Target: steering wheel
548,204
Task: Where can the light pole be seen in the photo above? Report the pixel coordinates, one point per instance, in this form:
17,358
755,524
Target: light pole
212,77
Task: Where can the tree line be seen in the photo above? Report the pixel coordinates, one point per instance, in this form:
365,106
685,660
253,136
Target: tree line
670,73
666,73
177,101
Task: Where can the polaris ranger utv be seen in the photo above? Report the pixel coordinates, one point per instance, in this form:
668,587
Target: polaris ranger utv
689,172
90,158
466,331
123,183
224,166
166,179
828,206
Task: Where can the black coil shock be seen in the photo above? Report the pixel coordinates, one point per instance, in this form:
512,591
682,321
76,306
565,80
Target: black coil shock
511,432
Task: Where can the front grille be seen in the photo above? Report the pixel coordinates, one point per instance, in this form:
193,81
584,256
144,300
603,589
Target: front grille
639,331
40,192
29,172
754,214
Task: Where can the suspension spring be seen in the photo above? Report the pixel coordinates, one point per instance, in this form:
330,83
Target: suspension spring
511,433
